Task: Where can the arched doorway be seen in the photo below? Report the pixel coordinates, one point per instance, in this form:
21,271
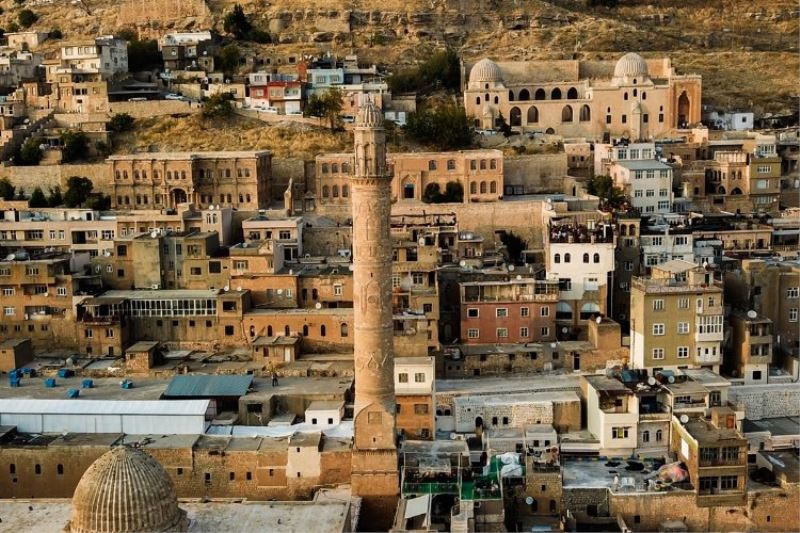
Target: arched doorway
683,110
408,191
515,115
178,196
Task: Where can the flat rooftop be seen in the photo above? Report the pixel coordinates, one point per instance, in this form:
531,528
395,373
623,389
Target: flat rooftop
783,426
220,516
494,385
180,156
102,388
608,473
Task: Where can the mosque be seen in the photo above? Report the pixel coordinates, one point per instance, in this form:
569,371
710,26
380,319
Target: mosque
634,98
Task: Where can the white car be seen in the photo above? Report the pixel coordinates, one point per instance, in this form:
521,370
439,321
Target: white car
348,119
173,96
137,99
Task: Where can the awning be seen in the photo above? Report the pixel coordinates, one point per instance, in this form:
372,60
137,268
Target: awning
417,506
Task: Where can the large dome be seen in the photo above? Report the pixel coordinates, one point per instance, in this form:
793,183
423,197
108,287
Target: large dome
369,116
631,65
126,490
485,70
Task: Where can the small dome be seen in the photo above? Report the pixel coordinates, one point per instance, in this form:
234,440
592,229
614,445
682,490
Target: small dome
126,490
485,70
631,65
369,116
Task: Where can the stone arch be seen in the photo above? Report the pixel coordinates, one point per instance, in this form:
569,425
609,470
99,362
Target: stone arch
572,93
736,191
720,190
540,95
555,94
510,95
550,131
524,94
515,116
586,113
566,114
684,105
179,196
588,309
533,115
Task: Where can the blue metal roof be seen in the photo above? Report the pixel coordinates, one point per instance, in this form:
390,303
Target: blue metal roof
207,386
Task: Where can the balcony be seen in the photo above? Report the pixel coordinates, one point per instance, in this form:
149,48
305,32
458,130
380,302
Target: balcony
708,359
669,285
713,336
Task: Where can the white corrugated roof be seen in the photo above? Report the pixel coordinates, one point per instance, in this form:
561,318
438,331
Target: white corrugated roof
104,407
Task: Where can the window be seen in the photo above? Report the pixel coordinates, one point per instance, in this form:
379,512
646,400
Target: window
523,332
337,290
728,482
420,409
658,329
683,328
8,291
628,266
419,377
619,433
544,311
645,436
501,312
659,435
793,292
637,193
472,333
683,352
658,305
502,333
37,469
472,312
402,377
545,331
658,353
793,314
683,303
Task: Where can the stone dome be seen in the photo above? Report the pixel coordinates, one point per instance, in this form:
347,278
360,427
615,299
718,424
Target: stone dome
485,70
631,65
126,490
369,116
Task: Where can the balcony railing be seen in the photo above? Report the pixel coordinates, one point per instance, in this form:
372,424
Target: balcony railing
719,461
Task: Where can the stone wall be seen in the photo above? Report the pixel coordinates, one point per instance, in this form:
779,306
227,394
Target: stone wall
767,401
537,173
510,413
327,240
152,108
47,176
282,171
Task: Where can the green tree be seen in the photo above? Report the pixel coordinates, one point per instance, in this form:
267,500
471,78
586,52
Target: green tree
503,126
37,198
55,34
603,187
442,70
432,194
54,199
454,192
218,106
314,107
78,191
144,55
514,245
446,127
229,58
27,18
120,122
236,23
30,153
75,146
7,190
99,202
332,106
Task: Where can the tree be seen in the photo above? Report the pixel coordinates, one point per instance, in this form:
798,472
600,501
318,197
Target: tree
75,146
218,106
54,199
229,58
144,55
603,187
78,191
332,106
432,193
37,198
503,126
26,18
98,202
120,122
55,34
514,245
30,153
446,127
236,23
441,70
454,192
7,190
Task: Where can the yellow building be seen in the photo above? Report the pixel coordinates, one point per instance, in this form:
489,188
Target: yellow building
633,98
676,318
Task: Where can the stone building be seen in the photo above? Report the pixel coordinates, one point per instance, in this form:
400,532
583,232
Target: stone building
240,180
633,98
415,385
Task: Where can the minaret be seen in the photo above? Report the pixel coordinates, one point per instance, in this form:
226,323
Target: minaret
374,471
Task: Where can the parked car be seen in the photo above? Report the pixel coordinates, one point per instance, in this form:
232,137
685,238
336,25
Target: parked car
137,99
348,119
173,96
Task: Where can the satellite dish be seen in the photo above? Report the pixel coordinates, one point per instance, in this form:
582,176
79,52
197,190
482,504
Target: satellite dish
238,289
684,419
671,379
751,314
279,291
351,267
519,277
553,345
651,381
599,320
154,234
318,305
453,436
226,288
529,500
462,263
511,268
565,329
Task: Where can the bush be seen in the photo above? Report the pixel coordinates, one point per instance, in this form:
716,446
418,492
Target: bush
99,202
37,198
603,187
218,106
453,193
514,245
78,191
327,105
55,34
446,127
26,18
144,55
441,70
236,23
30,154
76,146
54,199
120,122
229,58
7,190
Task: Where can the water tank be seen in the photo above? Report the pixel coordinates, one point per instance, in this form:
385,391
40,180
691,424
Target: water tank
50,383
73,393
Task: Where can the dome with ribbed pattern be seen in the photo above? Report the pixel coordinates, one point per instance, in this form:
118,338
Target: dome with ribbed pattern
126,491
369,116
631,65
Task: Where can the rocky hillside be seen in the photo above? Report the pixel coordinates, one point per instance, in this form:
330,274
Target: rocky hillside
746,51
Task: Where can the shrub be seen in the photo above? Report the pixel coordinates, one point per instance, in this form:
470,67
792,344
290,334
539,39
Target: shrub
30,154
75,146
78,191
446,127
218,106
37,198
55,199
121,122
26,18
7,190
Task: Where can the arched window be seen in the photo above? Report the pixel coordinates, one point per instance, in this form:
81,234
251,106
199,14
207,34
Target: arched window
473,187
169,174
555,94
644,95
252,331
586,113
658,435
305,330
623,230
635,92
483,187
343,330
524,94
334,168
493,187
345,168
533,115
557,258
477,100
736,191
127,201
585,258
324,168
496,99
540,94
322,331
345,191
335,191
486,97
183,174
325,191
632,230
136,174
516,116
286,330
596,258
510,96
566,114
483,164
645,436
269,331
572,93
721,190
117,174
625,96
